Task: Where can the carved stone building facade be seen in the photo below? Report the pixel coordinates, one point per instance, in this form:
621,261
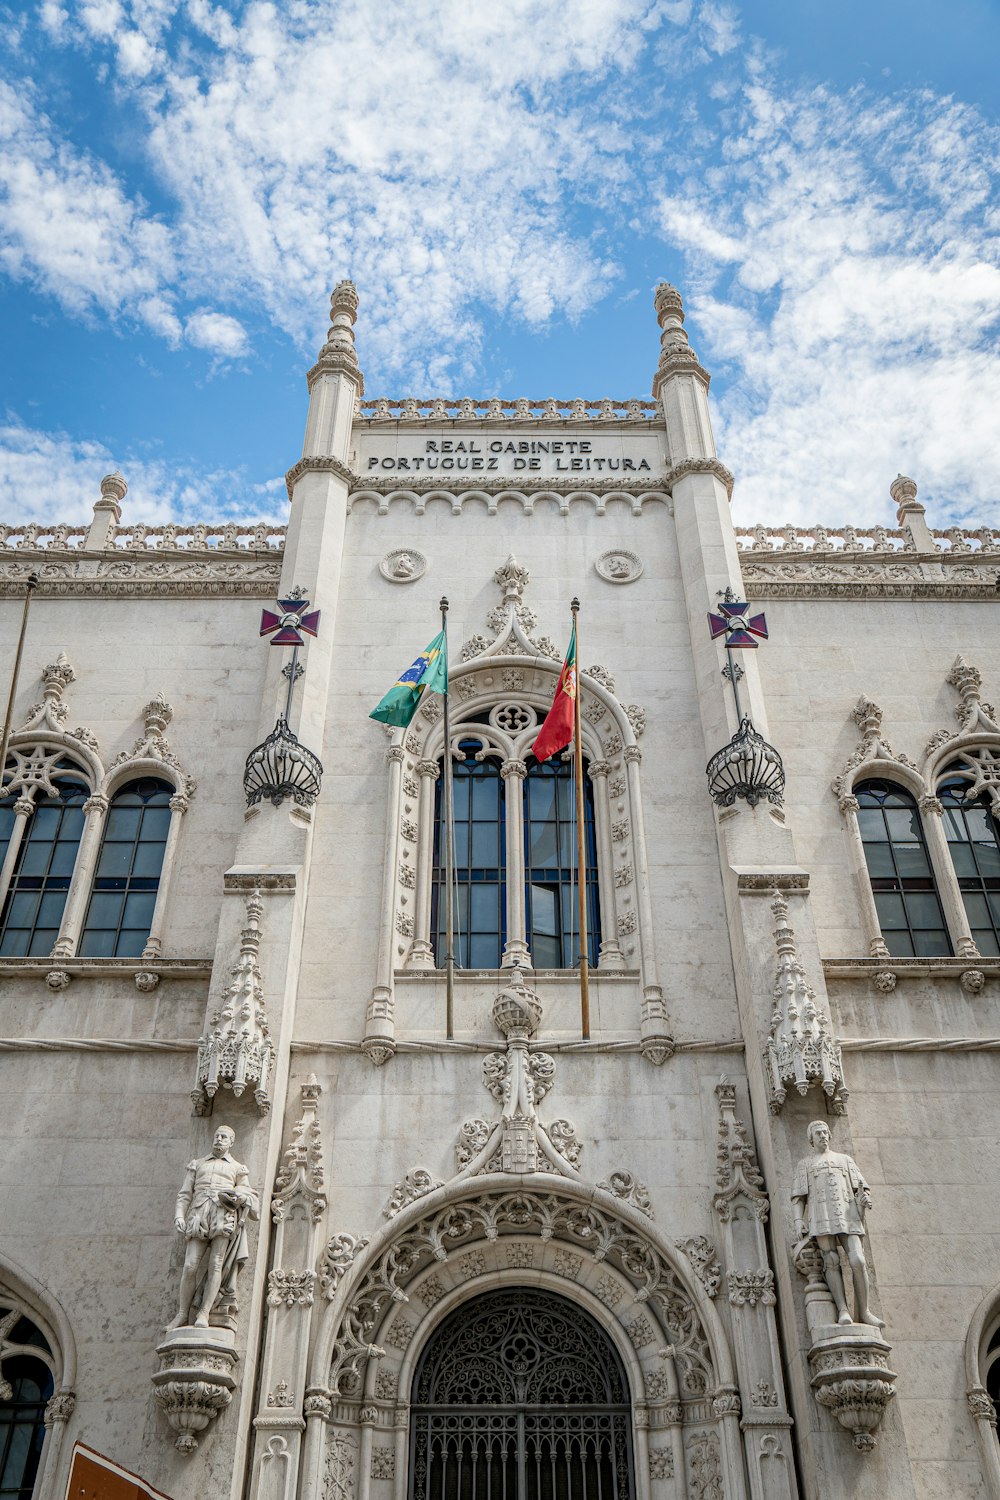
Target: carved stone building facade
512,1257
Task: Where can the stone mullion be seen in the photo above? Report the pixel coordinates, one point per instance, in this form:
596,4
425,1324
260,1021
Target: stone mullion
654,1010
955,914
610,956
23,808
84,869
179,804
516,950
862,881
422,948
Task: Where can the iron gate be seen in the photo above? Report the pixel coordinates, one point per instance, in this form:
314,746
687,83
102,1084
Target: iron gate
519,1395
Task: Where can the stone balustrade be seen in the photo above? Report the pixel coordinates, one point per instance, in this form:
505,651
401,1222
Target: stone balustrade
853,539
389,409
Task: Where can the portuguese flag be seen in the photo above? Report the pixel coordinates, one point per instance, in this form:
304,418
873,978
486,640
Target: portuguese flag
428,673
557,731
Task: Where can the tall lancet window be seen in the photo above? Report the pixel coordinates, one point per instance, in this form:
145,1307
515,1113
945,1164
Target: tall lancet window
906,898
971,830
47,843
550,863
120,913
480,862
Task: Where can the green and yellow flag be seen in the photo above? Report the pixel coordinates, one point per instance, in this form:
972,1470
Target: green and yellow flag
428,673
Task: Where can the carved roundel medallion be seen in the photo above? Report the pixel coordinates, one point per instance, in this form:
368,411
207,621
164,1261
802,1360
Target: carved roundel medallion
619,566
404,565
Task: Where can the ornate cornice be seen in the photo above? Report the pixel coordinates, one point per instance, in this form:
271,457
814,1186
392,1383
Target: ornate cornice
319,464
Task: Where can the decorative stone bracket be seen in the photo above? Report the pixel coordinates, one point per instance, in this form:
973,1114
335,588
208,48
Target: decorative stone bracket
849,1361
195,1381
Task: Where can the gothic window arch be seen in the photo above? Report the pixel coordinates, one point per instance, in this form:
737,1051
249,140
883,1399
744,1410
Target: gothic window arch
41,826
129,866
27,1383
515,847
522,1387
908,907
982,1374
973,835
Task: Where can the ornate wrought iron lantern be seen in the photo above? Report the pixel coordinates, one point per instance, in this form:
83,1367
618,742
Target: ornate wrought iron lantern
280,767
746,767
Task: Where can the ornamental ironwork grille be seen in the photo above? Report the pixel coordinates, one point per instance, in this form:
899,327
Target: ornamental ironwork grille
519,1395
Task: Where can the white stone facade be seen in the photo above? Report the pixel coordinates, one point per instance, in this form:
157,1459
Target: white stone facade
645,1174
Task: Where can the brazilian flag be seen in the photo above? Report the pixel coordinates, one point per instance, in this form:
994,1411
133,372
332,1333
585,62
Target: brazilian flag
429,672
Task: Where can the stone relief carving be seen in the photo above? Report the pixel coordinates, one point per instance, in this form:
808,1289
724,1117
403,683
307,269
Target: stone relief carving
290,1288
661,1463
298,1183
748,1288
801,1049
619,566
383,1463
704,1465
584,1228
152,744
630,1190
281,1396
338,1257
518,1080
237,1052
830,1198
737,1174
701,1253
338,1467
403,565
416,1184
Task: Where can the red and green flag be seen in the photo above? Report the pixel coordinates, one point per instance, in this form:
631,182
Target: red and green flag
429,673
557,731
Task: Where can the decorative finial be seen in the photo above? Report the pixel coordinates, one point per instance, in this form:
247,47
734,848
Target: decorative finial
114,487
676,353
904,493
338,354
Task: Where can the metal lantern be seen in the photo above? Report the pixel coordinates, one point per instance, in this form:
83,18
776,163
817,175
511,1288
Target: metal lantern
747,767
280,767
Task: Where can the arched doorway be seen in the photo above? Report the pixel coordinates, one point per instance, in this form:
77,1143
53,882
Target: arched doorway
520,1395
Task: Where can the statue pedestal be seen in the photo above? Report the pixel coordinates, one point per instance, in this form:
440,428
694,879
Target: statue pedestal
851,1376
196,1379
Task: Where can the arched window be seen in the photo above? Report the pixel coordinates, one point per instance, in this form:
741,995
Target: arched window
550,863
43,866
906,899
974,844
128,871
480,862
520,1394
25,1386
991,1374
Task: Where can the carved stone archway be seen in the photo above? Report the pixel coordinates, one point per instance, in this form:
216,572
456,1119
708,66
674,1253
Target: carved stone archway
454,1243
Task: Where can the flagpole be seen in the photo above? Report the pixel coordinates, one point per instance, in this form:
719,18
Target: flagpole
449,834
581,867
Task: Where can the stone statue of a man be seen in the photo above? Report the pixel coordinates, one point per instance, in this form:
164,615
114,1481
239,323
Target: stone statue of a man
830,1198
213,1205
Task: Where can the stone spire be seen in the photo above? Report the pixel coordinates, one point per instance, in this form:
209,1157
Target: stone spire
338,355
237,1052
801,1049
910,515
107,511
676,354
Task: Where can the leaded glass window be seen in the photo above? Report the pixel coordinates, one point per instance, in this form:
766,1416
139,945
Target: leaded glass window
550,864
972,834
480,862
123,896
40,881
899,867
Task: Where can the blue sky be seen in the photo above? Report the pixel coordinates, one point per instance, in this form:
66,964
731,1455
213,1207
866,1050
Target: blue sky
182,182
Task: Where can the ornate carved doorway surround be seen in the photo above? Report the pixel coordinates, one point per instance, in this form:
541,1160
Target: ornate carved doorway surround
520,1395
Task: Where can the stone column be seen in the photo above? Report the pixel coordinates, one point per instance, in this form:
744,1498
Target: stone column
862,880
75,910
422,948
610,956
179,804
955,915
656,1042
516,950
380,1032
23,809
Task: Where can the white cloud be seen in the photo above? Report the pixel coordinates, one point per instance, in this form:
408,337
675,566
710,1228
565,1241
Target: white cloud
844,280
217,332
52,477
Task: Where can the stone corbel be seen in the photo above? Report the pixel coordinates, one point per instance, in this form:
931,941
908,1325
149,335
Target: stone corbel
195,1381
